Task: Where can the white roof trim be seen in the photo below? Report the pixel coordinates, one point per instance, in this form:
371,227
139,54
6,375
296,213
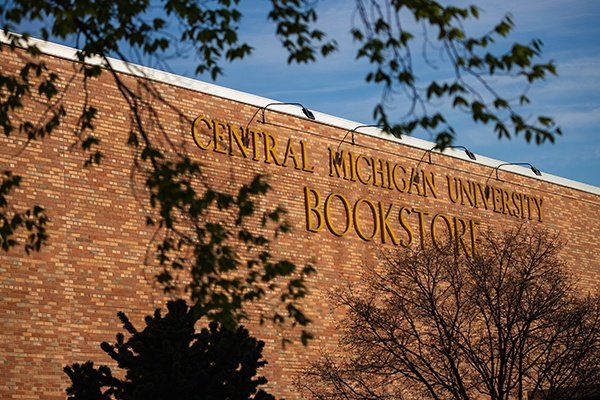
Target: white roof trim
69,53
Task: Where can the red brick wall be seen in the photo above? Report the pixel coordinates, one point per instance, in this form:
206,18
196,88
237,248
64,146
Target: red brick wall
58,305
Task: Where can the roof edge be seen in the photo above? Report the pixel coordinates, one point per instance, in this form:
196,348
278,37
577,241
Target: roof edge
69,53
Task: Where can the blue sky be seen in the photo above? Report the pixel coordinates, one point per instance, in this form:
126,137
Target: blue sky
569,29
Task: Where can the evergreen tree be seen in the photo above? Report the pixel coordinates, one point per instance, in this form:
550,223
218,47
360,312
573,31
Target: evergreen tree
170,360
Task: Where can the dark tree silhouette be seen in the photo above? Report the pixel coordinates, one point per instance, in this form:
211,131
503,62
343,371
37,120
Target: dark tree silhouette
507,323
170,360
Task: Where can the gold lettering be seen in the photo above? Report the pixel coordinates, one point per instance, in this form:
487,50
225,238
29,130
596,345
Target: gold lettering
406,227
236,137
434,231
421,215
395,178
414,183
468,191
353,166
472,226
310,210
389,175
528,202
340,168
270,143
385,224
361,178
482,192
255,136
429,181
453,194
378,172
505,203
459,243
517,204
374,219
538,202
497,199
305,166
219,136
196,130
328,216
291,153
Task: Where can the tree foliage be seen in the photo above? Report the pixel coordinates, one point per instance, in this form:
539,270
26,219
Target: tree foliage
185,239
33,220
229,264
387,39
168,359
388,32
507,323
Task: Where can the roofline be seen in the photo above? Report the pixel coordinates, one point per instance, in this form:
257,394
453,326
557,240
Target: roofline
69,53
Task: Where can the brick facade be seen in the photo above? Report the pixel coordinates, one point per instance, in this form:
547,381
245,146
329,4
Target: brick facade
58,305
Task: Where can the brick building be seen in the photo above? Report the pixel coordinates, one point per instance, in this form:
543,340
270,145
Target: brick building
350,192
